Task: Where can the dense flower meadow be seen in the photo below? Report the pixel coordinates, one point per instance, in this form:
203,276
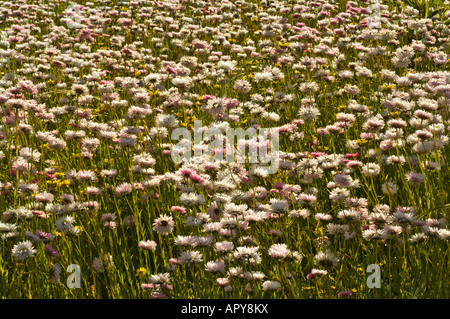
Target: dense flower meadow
357,94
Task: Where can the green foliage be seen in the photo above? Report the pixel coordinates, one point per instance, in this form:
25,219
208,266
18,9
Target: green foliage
427,8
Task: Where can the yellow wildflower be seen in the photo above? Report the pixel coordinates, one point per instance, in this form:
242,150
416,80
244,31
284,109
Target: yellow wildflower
141,272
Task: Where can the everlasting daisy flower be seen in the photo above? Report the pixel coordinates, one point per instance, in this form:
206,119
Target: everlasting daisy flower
415,178
123,189
178,209
389,188
187,241
279,251
223,281
64,223
55,272
215,267
23,250
49,249
224,246
345,293
417,238
92,190
203,241
163,225
108,173
271,285
336,229
242,86
303,213
160,279
373,124
307,199
323,217
309,87
350,214
84,175
247,254
189,257
192,199
278,206
316,272
102,264
326,259
371,169
339,194
167,120
44,197
308,113
253,275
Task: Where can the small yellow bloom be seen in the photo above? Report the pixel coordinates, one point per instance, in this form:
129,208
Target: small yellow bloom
361,141
64,183
155,93
141,272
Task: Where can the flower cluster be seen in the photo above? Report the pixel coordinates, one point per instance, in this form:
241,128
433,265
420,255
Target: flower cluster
91,95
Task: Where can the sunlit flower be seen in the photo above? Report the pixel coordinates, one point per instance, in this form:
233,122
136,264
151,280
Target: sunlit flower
23,250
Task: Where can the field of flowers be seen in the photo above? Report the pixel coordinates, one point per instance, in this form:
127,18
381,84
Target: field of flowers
101,197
